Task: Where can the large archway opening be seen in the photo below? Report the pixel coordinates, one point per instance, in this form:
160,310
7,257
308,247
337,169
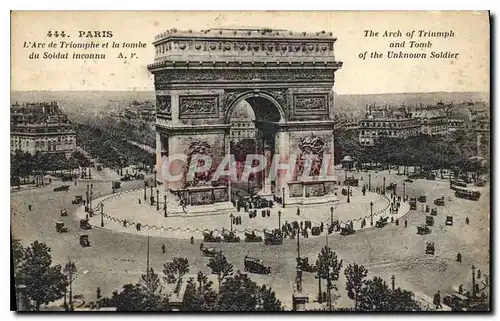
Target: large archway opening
249,136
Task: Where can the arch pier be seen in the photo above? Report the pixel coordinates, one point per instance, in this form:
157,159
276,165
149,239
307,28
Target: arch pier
288,80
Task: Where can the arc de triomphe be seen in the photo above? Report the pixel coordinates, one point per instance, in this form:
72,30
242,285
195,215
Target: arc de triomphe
286,77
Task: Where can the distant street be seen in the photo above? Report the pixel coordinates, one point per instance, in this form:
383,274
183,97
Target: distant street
115,259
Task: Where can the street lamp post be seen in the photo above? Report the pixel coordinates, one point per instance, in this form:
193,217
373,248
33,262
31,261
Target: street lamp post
157,200
151,195
393,282
383,190
165,205
348,193
473,281
283,201
279,220
371,213
370,182
155,176
231,219
331,215
145,185
102,214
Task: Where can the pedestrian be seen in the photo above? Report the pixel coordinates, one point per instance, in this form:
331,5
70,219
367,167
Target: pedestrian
192,240
50,181
124,223
163,248
460,289
467,220
201,246
29,207
459,257
437,300
298,211
406,223
478,274
139,201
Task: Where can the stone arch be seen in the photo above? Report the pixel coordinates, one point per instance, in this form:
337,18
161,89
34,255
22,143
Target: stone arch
254,94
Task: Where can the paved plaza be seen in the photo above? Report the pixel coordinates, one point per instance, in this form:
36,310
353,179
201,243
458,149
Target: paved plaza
125,206
116,258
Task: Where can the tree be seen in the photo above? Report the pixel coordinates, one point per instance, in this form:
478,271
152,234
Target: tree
201,297
328,267
240,293
70,271
375,295
17,258
175,269
220,266
151,282
44,283
355,275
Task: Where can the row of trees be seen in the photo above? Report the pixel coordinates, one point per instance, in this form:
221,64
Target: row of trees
25,165
110,146
450,151
42,282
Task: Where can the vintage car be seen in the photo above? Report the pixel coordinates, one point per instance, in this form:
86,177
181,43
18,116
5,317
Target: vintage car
84,240
78,199
392,186
116,185
429,220
62,188
85,225
434,212
316,230
254,265
208,251
449,220
251,237
64,212
273,238
209,237
423,230
60,228
422,199
439,201
381,222
430,248
125,178
351,181
408,180
413,203
230,237
303,264
346,229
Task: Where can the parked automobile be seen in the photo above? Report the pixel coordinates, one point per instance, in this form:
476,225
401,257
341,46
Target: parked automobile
254,265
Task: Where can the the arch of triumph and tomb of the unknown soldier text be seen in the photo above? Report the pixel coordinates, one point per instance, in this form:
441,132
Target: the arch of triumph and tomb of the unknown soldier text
287,78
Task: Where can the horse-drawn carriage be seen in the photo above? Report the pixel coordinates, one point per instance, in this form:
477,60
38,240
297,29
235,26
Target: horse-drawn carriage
254,265
434,212
430,248
429,220
316,230
423,230
391,187
209,237
230,237
273,238
422,198
252,238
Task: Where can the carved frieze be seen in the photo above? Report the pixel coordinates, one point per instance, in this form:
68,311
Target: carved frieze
241,75
311,104
203,106
164,106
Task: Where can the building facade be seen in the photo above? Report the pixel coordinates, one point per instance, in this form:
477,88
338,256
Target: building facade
384,122
41,127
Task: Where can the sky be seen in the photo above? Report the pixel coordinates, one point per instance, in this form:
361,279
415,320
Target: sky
470,72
